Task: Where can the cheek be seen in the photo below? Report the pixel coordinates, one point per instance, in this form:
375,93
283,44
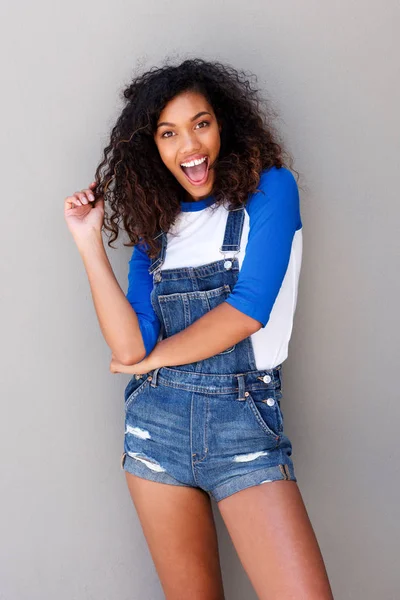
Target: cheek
164,155
216,140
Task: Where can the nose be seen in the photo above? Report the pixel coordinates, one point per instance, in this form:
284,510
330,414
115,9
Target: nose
189,143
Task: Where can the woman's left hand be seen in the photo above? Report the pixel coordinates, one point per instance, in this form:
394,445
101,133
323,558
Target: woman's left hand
140,368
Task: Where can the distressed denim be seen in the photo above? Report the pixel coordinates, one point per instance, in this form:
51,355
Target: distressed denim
215,424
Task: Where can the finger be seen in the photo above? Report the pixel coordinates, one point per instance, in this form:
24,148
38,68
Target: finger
82,197
77,195
71,202
113,367
89,195
77,199
116,367
93,184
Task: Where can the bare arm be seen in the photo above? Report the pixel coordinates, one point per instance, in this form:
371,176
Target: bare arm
214,332
117,319
84,215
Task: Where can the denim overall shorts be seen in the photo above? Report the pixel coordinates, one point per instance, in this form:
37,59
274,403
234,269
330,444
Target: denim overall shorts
215,424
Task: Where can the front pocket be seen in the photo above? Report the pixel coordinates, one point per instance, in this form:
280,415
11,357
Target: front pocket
134,388
180,310
264,405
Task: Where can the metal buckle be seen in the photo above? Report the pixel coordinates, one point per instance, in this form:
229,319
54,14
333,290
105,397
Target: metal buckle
235,253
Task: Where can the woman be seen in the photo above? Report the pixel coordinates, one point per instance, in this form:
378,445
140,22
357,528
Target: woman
196,175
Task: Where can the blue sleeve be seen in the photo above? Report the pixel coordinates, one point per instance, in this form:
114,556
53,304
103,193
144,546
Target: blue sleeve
140,285
274,218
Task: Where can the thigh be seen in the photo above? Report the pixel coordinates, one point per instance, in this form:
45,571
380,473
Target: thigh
179,528
275,542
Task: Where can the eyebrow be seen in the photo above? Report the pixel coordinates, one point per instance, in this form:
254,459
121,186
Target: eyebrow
204,112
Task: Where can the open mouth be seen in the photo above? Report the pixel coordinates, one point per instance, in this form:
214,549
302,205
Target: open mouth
198,174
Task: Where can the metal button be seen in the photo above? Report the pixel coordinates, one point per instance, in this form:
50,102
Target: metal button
149,378
138,376
266,379
157,277
246,394
228,264
270,401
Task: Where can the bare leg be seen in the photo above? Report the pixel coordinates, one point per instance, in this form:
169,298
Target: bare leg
179,527
275,542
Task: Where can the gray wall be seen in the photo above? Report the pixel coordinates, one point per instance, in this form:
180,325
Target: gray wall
68,529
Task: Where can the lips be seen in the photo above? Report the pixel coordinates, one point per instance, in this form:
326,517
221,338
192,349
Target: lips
198,174
194,157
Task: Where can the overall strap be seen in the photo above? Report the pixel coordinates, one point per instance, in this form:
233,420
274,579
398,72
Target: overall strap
231,241
233,230
158,260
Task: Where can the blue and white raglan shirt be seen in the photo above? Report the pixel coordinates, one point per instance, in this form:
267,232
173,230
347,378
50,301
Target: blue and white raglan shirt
269,262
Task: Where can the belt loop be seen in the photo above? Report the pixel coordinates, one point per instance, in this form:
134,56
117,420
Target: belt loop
154,375
241,387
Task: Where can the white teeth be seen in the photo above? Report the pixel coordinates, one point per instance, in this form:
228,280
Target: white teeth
194,162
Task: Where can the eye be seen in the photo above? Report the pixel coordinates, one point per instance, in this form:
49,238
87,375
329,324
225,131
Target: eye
164,135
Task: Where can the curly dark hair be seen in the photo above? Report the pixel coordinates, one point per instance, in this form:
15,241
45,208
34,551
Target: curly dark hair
134,181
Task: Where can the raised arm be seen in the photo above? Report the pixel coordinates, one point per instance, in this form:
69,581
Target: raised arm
119,322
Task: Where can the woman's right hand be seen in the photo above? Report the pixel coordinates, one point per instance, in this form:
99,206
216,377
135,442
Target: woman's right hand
84,218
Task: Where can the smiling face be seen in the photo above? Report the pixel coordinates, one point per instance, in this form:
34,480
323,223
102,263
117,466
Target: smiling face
188,133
